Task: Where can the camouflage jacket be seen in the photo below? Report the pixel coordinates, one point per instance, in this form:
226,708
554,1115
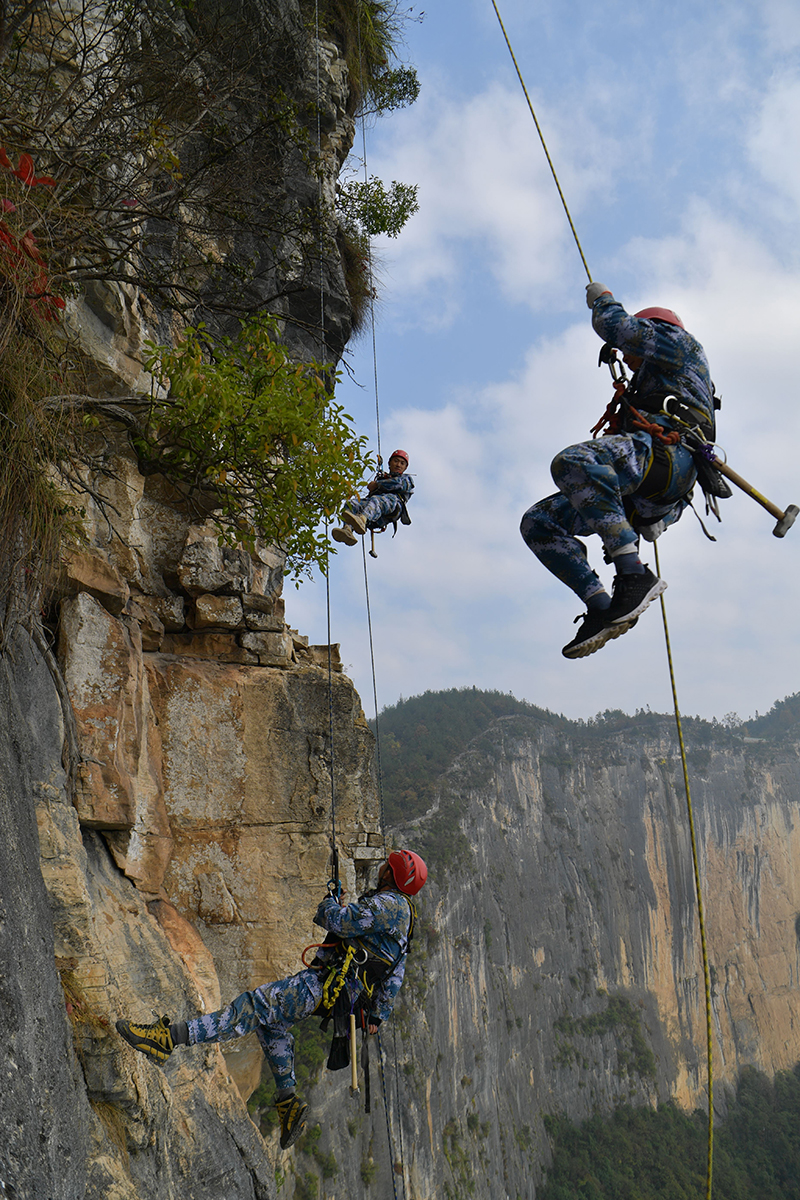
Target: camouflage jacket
674,361
380,922
397,485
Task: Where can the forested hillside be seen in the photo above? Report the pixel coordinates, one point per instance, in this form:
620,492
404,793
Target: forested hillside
639,1154
420,738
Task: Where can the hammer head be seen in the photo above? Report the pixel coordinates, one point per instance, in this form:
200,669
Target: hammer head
787,521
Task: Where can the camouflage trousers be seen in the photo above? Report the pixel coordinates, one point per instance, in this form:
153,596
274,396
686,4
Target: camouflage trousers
377,509
592,478
269,1011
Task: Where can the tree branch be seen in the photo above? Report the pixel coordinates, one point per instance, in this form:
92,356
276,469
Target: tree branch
10,25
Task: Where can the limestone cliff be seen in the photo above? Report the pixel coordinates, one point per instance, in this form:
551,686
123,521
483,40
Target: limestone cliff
168,754
173,740
561,968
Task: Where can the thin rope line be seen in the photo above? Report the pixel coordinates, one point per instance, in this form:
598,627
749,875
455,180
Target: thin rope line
374,697
324,361
386,1114
378,440
399,1107
700,914
701,918
544,144
370,281
370,277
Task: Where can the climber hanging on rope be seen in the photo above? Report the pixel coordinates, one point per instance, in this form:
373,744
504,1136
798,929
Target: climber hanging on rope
389,492
377,928
636,479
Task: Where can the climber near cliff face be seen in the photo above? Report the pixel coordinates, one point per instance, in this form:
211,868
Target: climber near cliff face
360,966
636,479
386,503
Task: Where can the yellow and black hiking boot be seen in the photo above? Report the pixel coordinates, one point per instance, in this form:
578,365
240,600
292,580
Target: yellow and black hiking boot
153,1040
292,1112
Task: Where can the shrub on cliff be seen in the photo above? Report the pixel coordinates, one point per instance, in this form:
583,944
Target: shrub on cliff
144,151
255,436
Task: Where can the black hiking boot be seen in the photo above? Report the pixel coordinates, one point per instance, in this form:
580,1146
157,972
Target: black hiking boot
153,1040
292,1112
631,596
593,634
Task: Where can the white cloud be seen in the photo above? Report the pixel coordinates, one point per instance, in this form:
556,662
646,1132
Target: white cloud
457,599
782,25
774,140
486,194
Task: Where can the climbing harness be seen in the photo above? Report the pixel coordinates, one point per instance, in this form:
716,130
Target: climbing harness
619,391
692,429
336,979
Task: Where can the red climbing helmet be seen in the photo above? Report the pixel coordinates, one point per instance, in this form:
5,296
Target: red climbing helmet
661,314
399,454
409,871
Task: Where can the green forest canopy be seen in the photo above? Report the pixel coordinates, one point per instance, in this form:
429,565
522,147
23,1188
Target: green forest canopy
421,737
641,1154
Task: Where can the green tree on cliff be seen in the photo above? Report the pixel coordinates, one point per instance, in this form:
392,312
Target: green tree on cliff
145,147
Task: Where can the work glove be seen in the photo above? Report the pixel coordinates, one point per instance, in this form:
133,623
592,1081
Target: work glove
593,290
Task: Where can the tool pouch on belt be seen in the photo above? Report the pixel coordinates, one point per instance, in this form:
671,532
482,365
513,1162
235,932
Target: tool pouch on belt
710,478
339,1056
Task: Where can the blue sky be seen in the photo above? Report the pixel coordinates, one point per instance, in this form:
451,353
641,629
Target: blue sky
675,132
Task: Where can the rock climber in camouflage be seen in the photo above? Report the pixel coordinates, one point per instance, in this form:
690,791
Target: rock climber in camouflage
386,502
378,925
627,483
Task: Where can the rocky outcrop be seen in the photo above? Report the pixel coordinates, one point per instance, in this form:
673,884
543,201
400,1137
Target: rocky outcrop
80,945
185,864
168,783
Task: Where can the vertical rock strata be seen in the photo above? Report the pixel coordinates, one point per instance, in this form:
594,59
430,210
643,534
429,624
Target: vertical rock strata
559,965
182,850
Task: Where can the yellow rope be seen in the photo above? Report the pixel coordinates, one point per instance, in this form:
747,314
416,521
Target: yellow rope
701,918
706,972
544,144
335,981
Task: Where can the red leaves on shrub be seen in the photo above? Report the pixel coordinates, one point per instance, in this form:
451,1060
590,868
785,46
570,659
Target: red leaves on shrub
25,171
15,248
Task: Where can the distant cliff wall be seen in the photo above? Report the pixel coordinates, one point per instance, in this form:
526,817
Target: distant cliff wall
561,971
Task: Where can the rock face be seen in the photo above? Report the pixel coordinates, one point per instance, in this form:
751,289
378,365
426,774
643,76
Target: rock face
182,869
80,945
187,864
182,795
